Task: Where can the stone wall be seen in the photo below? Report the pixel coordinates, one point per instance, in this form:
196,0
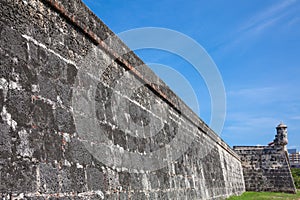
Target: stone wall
83,118
266,168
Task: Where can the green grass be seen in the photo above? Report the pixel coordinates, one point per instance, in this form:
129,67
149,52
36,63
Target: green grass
296,176
272,195
266,196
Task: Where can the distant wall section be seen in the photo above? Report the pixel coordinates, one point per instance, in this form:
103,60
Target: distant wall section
267,168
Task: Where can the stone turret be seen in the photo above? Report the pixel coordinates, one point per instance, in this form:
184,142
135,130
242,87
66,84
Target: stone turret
267,168
281,136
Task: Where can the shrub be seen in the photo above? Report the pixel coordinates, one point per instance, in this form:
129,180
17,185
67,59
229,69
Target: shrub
296,176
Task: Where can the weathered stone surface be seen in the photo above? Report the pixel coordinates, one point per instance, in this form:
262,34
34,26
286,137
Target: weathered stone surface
267,168
45,154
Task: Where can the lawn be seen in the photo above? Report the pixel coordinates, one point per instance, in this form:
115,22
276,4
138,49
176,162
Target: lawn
266,196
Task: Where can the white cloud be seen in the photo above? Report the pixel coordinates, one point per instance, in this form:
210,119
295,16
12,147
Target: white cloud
295,118
294,21
282,94
253,91
258,23
244,120
257,95
268,16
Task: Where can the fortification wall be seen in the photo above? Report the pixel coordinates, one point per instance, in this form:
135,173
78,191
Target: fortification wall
83,118
266,168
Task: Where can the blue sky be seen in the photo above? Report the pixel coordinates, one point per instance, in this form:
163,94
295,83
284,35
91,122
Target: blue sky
255,45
